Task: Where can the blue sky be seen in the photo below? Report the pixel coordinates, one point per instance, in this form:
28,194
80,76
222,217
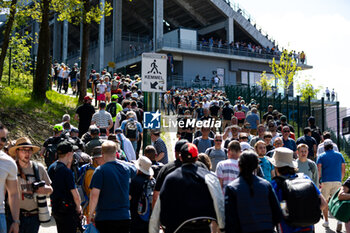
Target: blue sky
321,28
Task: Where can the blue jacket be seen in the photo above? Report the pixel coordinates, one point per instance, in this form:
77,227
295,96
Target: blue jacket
251,213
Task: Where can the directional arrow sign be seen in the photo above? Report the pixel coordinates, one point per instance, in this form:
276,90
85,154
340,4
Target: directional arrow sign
154,72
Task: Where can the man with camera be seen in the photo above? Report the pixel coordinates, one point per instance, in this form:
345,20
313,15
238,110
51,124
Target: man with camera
34,185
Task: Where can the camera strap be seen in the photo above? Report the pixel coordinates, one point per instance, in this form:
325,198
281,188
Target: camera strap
36,171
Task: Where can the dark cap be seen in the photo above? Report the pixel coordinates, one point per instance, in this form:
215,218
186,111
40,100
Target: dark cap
74,130
97,152
179,144
64,147
118,130
189,150
311,120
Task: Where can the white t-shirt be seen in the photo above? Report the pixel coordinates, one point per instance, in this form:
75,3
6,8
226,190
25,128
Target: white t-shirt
101,88
8,171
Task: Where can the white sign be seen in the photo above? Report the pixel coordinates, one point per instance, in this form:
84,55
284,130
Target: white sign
154,72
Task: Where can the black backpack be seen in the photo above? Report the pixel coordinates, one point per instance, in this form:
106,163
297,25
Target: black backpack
112,109
131,130
144,205
302,199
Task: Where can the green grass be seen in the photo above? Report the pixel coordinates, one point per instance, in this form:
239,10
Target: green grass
51,111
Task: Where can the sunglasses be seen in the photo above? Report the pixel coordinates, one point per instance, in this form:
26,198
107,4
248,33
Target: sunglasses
218,140
26,150
3,139
286,131
243,138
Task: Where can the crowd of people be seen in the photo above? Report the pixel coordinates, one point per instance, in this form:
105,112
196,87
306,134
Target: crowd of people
213,43
244,174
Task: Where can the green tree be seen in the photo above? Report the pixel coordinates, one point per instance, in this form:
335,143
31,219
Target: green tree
76,12
306,90
265,82
42,9
7,32
284,70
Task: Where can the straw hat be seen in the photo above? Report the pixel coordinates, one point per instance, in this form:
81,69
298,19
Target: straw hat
23,142
144,164
283,157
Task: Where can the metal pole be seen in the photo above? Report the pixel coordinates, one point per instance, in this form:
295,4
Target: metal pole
309,106
287,106
10,60
338,126
298,114
322,114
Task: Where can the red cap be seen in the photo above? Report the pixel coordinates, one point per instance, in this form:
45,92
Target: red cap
87,98
189,150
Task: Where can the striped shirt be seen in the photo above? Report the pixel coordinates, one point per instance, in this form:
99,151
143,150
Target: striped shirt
227,170
101,118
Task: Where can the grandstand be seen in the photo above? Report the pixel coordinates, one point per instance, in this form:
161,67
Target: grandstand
199,36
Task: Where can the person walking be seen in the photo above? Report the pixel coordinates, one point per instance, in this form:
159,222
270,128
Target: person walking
227,170
309,141
138,186
83,115
299,215
109,195
30,173
8,182
216,153
190,199
159,144
331,169
102,118
305,165
344,195
65,199
250,202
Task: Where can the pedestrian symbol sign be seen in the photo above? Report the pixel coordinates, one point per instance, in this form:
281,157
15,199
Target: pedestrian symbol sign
154,72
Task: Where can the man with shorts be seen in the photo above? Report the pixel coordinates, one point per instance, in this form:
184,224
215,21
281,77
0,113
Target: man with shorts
331,169
101,91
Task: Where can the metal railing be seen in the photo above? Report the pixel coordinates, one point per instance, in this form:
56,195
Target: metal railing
238,8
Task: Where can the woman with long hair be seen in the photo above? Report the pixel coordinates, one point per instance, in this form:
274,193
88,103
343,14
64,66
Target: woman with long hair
250,202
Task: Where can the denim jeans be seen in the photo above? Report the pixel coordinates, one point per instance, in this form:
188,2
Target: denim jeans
29,224
134,145
3,228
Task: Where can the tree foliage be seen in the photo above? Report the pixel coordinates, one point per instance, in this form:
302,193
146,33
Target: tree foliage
285,69
265,82
71,10
306,90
